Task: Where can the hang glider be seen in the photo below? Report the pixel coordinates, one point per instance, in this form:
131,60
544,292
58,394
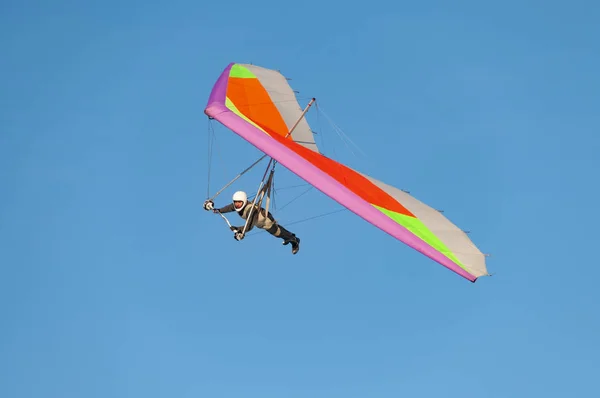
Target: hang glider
259,105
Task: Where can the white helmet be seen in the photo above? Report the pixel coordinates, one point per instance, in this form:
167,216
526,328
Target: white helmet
240,196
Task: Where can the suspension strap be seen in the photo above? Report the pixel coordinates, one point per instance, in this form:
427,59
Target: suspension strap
269,188
262,188
265,192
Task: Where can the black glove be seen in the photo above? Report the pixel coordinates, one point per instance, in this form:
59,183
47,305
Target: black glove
209,205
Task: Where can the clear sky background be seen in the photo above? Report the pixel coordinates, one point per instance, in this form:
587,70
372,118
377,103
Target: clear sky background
115,283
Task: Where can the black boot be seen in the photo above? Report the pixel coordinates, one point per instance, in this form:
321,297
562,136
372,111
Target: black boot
288,238
295,245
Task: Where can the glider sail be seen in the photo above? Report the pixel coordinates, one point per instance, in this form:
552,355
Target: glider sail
263,98
259,105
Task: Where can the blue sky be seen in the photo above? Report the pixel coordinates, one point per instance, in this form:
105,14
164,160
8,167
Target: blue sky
115,282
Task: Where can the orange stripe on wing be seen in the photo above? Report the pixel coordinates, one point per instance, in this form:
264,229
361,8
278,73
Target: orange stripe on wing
352,180
250,98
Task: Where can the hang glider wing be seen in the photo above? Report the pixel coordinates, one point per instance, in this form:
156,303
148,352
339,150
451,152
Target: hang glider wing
259,105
